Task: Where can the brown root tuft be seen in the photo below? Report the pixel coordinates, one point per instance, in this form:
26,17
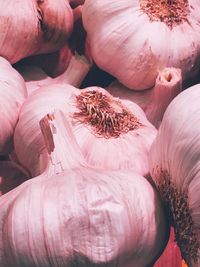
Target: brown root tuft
108,117
171,12
186,233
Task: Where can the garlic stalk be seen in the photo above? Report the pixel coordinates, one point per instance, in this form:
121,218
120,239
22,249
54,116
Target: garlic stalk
155,100
112,134
175,162
73,214
74,74
134,39
35,27
12,95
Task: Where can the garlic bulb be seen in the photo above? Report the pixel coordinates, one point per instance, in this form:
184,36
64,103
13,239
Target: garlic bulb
112,134
11,175
133,40
12,95
54,64
73,214
35,27
175,162
155,100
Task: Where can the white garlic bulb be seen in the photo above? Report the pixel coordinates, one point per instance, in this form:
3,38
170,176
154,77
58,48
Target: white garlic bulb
112,134
134,39
77,215
175,168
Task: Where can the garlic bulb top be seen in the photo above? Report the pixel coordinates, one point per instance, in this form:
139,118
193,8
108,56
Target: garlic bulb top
133,40
35,27
112,134
12,95
79,215
175,167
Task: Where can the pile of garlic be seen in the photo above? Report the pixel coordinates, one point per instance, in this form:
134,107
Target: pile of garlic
99,136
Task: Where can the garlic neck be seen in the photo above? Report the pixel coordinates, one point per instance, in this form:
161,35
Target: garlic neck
63,150
75,73
171,12
106,116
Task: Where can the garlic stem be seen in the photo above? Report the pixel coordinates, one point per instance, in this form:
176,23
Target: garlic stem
153,101
76,71
168,85
60,142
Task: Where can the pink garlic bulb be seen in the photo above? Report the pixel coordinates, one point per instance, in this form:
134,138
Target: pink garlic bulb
33,27
175,168
133,40
11,175
77,215
153,101
54,64
112,134
12,95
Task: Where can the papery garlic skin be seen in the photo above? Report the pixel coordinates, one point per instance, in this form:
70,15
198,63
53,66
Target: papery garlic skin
83,218
80,215
153,101
35,27
175,161
12,95
131,46
128,151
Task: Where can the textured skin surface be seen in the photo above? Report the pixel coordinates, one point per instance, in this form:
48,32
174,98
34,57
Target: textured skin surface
12,96
74,214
